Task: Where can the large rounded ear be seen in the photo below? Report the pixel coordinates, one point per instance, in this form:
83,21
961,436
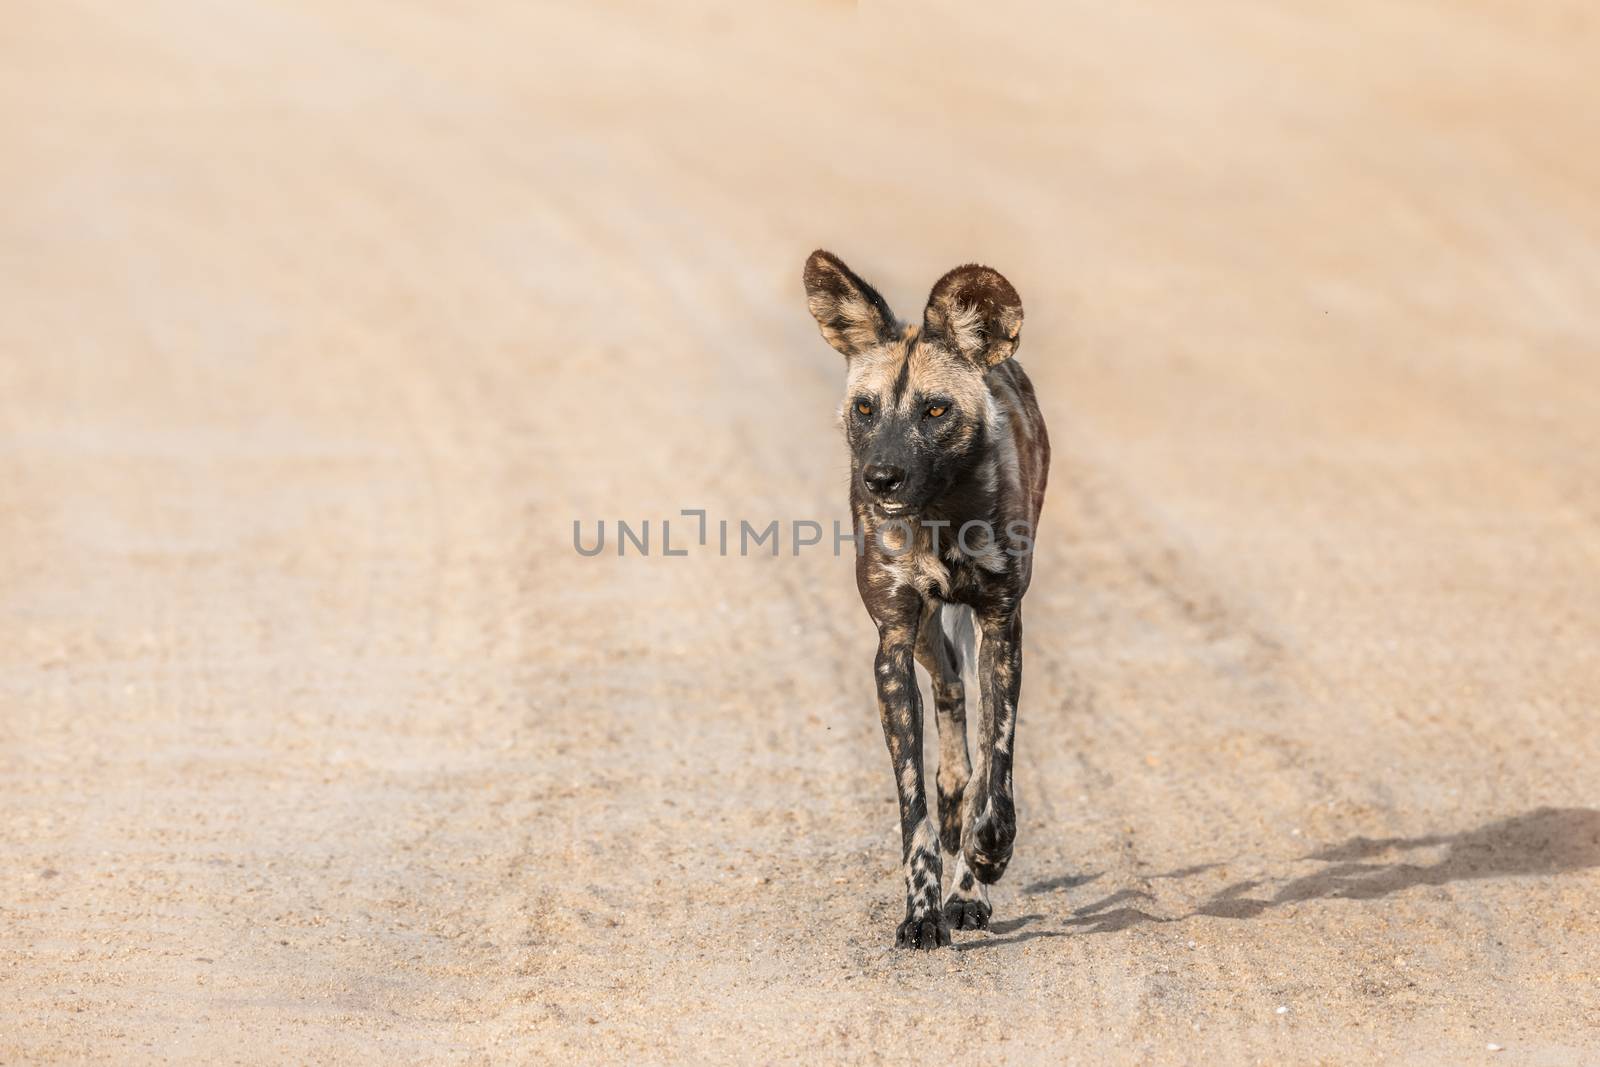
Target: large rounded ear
852,315
977,312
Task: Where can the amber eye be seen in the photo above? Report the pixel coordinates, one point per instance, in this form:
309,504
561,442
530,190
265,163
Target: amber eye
864,407
936,411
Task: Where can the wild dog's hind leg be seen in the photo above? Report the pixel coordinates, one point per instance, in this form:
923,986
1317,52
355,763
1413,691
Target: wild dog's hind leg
989,814
967,906
900,707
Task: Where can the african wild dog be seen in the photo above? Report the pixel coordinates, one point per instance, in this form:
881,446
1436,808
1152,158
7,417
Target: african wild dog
948,465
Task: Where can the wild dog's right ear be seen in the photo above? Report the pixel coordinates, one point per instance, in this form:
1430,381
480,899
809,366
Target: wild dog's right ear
852,315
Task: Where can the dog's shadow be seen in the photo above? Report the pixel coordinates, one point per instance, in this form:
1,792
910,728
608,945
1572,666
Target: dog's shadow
1548,841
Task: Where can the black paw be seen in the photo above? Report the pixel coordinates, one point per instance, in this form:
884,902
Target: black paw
966,913
927,930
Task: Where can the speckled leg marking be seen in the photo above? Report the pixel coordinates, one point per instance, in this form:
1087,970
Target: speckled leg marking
989,815
900,708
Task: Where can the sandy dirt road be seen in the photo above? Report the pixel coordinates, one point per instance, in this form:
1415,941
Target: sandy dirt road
321,323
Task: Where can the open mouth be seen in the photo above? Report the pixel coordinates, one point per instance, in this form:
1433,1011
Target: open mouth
892,508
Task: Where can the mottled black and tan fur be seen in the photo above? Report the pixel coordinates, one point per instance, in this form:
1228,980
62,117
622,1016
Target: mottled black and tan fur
949,459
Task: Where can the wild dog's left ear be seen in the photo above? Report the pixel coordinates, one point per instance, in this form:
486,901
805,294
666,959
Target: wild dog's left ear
977,312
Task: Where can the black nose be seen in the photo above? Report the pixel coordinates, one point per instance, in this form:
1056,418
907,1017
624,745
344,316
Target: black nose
883,480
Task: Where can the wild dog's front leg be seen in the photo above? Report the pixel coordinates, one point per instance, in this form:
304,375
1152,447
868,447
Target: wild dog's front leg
900,707
989,814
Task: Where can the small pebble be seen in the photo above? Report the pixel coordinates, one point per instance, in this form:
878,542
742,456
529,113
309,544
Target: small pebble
1283,1009
1492,1047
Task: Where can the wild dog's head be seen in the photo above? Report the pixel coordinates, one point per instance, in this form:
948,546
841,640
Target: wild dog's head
917,409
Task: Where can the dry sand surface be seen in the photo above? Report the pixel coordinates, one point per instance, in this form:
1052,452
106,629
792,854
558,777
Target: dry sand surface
320,323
